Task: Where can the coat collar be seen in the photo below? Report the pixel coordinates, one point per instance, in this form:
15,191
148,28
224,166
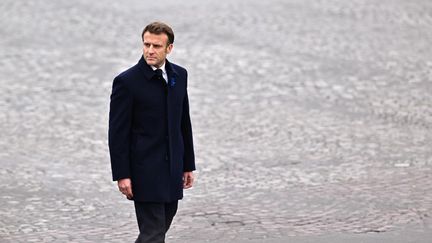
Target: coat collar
149,73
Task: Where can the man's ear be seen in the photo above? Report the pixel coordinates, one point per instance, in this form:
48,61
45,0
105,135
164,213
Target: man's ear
169,48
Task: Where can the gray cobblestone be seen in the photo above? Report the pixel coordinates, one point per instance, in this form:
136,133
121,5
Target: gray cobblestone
309,117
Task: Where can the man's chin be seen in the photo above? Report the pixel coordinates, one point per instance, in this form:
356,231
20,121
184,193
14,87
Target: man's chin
152,63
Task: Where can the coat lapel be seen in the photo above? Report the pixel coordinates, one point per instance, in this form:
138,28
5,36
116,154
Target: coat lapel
146,69
172,74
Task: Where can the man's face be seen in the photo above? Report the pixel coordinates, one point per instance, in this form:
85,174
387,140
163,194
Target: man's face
155,48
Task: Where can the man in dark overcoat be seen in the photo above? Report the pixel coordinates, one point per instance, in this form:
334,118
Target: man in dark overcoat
150,134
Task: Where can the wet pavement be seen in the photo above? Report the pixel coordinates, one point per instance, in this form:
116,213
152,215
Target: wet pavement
312,119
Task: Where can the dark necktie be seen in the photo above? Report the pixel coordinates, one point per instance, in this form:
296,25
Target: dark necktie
159,75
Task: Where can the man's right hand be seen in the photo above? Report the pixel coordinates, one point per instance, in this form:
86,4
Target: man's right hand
125,187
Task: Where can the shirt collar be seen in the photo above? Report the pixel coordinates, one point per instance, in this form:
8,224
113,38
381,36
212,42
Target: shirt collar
161,68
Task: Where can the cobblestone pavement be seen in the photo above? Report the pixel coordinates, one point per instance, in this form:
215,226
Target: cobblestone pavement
310,117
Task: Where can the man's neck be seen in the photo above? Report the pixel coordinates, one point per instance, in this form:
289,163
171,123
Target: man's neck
160,67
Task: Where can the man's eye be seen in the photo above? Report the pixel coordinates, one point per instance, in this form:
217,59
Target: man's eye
146,44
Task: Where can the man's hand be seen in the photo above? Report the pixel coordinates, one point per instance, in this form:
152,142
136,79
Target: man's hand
188,179
125,187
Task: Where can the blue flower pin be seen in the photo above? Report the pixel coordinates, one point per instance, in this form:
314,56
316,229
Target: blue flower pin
172,81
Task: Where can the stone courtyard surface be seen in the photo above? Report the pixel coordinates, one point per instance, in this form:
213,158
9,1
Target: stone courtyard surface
311,118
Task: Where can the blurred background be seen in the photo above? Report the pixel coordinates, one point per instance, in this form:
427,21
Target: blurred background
310,118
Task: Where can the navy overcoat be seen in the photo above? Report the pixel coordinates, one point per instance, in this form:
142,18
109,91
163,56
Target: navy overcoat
150,133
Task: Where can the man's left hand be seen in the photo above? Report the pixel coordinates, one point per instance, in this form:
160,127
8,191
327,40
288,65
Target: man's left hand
188,179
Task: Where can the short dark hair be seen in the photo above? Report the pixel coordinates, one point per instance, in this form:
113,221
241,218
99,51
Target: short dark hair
159,28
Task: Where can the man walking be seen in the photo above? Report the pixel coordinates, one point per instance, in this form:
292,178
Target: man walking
150,134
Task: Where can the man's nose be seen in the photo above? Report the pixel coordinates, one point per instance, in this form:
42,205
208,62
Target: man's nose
151,49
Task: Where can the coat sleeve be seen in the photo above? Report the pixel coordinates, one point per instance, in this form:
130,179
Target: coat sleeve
120,119
186,127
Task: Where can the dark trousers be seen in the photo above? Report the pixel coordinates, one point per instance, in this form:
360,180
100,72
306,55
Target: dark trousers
154,220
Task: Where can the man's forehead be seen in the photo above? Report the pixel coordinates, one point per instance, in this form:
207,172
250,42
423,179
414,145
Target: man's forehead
150,37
